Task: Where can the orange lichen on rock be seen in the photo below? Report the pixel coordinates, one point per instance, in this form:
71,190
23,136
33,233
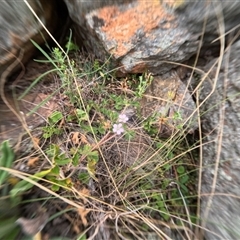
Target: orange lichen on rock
121,25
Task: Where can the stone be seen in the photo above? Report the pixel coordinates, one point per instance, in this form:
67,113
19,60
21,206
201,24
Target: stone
149,35
18,26
168,99
221,155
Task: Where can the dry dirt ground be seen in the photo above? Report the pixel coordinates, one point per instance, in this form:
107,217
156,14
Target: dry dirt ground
10,125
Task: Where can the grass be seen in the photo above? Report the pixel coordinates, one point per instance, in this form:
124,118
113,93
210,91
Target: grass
130,184
105,185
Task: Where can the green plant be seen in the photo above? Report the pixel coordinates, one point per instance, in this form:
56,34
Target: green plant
143,82
60,160
6,160
53,128
8,213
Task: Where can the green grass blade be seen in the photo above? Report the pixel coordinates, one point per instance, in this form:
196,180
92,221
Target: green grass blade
46,55
6,160
35,82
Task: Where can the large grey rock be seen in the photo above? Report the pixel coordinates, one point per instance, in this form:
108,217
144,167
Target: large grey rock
221,153
140,35
18,25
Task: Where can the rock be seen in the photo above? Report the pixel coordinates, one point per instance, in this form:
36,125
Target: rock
193,14
221,154
168,99
18,25
140,35
78,9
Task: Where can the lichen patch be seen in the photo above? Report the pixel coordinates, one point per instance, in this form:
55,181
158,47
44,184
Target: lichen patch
122,25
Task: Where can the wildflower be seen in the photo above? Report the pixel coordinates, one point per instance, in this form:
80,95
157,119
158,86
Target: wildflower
118,128
122,118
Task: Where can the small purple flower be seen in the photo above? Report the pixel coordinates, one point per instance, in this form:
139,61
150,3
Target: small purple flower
122,118
118,128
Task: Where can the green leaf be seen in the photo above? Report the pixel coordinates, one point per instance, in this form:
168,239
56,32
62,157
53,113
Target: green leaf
159,145
181,169
82,115
91,168
164,214
160,204
183,179
53,150
177,116
8,228
71,46
55,188
55,117
75,159
101,74
82,237
167,166
24,185
130,134
184,189
86,150
84,177
62,160
57,184
94,156
6,160
55,170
